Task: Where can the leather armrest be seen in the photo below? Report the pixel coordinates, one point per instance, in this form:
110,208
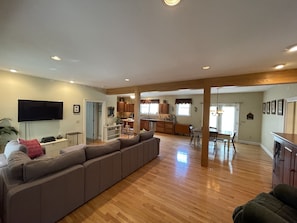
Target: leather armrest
286,194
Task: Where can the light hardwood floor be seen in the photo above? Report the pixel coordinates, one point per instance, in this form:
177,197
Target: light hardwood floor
175,188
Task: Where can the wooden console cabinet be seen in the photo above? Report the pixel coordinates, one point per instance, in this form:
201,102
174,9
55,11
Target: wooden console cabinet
284,159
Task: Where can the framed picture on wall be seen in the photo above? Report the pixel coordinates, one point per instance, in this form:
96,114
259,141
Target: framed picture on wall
273,107
268,107
264,108
280,107
76,108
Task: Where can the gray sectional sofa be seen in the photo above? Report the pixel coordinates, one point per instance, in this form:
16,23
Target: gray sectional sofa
47,189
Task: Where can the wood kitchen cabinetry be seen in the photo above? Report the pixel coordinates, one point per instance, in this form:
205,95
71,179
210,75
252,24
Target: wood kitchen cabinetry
164,108
144,124
121,106
165,127
124,107
129,107
169,127
284,159
160,126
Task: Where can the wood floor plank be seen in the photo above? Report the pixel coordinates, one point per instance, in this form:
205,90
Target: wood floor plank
175,188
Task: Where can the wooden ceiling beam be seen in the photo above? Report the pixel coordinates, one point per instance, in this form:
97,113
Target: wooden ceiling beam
253,79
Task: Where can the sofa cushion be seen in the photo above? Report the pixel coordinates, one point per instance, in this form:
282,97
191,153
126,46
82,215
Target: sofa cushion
33,146
12,146
146,135
15,163
72,148
38,168
129,142
99,150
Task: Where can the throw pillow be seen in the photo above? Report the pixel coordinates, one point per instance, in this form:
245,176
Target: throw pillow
129,142
33,146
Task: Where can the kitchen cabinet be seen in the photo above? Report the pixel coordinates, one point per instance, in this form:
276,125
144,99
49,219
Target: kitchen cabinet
129,107
144,124
284,159
181,129
160,126
169,127
125,107
164,108
121,106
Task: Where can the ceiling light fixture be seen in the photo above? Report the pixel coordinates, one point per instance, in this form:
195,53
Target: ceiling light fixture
127,79
56,58
292,48
279,66
205,67
71,82
13,70
171,2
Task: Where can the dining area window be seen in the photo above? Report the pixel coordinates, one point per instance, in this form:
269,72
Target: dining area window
227,120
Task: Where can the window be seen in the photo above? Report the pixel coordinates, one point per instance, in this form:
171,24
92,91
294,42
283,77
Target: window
227,121
149,107
183,106
183,109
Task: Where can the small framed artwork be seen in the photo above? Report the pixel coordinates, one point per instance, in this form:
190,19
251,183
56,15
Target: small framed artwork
264,108
273,107
280,107
76,108
268,107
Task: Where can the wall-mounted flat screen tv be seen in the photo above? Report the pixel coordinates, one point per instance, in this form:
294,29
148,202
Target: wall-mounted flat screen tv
32,110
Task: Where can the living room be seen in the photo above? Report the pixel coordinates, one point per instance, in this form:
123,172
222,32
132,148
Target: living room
33,88
90,52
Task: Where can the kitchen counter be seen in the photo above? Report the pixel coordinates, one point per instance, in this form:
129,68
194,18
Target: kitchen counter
155,120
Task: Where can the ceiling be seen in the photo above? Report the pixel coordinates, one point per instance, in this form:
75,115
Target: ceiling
105,41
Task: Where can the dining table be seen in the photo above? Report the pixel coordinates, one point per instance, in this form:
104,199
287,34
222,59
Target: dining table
221,135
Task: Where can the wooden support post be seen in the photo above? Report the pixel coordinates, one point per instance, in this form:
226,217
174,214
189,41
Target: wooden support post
205,130
136,124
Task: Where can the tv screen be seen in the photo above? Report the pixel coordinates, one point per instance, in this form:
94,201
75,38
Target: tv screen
31,110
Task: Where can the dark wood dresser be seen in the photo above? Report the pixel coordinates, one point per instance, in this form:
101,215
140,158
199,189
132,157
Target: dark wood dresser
284,159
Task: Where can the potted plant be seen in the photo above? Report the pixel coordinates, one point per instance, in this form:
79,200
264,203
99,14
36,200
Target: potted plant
6,130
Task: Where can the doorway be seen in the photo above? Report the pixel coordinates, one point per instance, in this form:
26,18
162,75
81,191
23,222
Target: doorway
93,121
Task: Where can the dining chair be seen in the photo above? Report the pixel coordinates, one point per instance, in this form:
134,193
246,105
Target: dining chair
194,135
127,130
231,140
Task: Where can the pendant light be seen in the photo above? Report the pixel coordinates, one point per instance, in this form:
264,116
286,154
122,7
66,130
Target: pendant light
218,112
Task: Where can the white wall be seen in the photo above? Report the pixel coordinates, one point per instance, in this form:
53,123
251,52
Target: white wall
17,86
273,122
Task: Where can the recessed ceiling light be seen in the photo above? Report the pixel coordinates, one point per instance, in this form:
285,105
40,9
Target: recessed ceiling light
205,67
56,58
127,79
171,2
292,48
72,82
13,70
132,96
279,66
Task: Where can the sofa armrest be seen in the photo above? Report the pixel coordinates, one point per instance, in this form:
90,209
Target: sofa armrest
286,194
256,213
